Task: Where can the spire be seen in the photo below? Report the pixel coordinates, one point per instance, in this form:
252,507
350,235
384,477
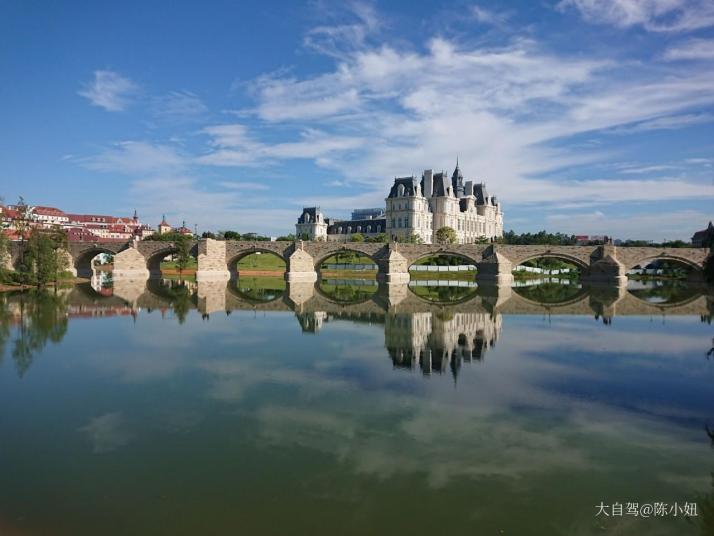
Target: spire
136,216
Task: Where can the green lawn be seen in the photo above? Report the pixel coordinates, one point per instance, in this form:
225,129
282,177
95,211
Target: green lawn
264,261
170,265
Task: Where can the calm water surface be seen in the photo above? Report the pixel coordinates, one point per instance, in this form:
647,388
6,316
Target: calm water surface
352,409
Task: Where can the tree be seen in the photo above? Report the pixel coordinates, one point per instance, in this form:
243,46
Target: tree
183,253
445,235
287,238
4,254
45,256
231,235
378,238
208,234
357,237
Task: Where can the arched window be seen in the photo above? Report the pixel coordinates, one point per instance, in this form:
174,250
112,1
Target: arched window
307,218
400,190
369,228
359,228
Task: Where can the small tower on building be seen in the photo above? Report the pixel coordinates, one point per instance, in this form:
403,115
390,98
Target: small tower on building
164,227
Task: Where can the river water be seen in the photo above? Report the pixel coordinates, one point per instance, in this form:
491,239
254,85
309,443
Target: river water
266,408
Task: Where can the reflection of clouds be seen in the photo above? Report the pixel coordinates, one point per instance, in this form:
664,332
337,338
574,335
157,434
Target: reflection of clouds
107,432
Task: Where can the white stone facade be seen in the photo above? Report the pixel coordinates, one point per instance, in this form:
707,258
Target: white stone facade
415,210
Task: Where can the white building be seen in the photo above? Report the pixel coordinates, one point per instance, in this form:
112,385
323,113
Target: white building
415,210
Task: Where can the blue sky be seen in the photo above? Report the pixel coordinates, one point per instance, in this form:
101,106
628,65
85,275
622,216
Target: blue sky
582,116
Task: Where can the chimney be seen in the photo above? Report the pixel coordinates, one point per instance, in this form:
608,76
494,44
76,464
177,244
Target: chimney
428,183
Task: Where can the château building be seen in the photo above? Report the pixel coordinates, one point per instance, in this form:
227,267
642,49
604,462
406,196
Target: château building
416,208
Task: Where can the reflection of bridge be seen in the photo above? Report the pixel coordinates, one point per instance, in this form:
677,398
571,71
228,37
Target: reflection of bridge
494,262
304,297
419,335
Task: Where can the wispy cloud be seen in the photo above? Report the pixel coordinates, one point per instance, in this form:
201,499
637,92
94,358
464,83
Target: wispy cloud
357,21
179,107
109,90
487,16
671,122
693,49
136,158
652,15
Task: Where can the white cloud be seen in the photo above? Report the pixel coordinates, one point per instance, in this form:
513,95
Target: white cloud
693,49
344,37
179,107
109,90
136,158
236,147
667,225
672,122
487,16
653,15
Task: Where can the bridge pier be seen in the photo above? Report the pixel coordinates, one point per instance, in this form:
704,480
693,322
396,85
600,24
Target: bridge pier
212,262
393,268
495,270
301,267
607,270
130,264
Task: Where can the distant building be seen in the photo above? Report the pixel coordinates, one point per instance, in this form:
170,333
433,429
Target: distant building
85,227
164,226
368,214
415,210
704,238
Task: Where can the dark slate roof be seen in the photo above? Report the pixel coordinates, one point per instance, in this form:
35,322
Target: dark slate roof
457,181
381,222
441,184
409,184
700,235
480,193
312,211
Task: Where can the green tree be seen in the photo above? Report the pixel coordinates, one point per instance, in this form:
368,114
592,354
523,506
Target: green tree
183,253
45,258
4,254
231,235
445,235
208,234
357,237
378,238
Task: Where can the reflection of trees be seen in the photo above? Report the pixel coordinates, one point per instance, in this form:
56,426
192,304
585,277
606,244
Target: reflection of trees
261,290
43,319
549,292
443,294
665,292
348,293
179,295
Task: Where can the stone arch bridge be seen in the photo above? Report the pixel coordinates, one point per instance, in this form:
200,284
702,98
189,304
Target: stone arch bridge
494,262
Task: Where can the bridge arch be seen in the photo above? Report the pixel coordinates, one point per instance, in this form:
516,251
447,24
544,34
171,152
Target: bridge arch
233,260
580,263
153,259
82,260
320,259
644,261
446,252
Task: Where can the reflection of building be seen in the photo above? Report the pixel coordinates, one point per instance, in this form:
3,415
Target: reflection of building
435,343
415,210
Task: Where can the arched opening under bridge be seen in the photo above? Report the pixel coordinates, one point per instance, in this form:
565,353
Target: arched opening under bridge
443,266
257,263
548,268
